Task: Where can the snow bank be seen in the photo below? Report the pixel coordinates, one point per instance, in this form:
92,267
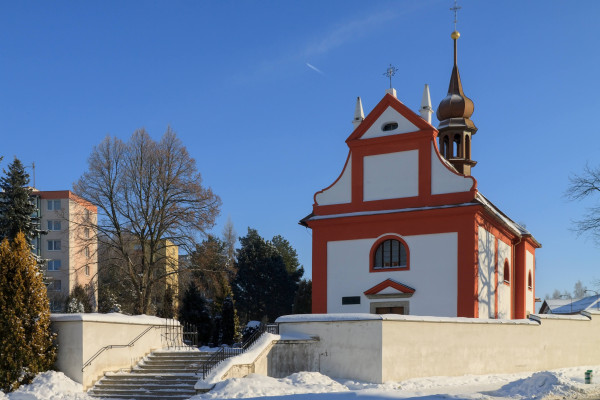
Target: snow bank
112,317
260,386
539,385
50,385
397,317
558,384
246,358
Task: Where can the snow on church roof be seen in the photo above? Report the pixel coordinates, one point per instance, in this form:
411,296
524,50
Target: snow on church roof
479,198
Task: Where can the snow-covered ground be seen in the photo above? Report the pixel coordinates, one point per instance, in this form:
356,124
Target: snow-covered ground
557,384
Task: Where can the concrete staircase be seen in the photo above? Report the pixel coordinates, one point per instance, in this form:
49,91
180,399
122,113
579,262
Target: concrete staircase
163,374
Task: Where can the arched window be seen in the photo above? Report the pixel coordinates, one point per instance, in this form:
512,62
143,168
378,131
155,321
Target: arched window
468,147
446,146
390,253
529,281
458,146
506,272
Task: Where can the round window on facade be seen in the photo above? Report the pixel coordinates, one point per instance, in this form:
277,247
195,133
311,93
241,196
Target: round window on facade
390,126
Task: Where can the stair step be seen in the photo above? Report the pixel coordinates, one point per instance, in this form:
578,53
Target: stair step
147,385
102,391
155,365
143,396
178,377
169,375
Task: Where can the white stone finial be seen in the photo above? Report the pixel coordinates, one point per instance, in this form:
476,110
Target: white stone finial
426,110
359,115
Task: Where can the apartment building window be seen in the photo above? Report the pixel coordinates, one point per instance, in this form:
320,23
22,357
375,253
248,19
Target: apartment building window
56,306
54,265
86,232
53,245
55,286
87,270
53,205
54,225
87,252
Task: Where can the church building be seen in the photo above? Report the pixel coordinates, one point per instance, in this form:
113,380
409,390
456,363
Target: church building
404,230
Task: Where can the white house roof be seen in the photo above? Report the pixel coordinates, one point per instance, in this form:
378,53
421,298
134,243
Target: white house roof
570,306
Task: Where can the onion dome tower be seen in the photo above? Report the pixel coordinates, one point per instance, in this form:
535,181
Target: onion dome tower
456,128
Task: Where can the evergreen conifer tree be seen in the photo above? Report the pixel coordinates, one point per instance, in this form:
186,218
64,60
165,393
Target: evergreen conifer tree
26,342
78,301
263,288
16,207
167,309
303,299
194,310
107,300
230,325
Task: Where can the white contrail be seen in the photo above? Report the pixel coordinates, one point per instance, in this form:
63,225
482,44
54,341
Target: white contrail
314,68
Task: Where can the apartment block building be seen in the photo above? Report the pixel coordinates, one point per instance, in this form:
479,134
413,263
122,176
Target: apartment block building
70,246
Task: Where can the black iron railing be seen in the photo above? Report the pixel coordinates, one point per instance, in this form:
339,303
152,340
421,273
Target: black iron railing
226,352
179,335
118,346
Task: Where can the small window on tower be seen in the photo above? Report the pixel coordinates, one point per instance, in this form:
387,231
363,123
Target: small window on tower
506,272
390,126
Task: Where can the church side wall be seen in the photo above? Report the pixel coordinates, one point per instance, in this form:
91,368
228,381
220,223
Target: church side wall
413,346
432,273
504,288
529,294
486,283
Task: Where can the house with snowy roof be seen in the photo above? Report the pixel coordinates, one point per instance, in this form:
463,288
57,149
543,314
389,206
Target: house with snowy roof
570,306
404,229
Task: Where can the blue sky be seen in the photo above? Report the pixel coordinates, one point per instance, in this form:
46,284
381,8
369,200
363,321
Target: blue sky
262,94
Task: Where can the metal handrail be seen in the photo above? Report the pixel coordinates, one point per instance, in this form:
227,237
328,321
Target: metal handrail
115,346
224,353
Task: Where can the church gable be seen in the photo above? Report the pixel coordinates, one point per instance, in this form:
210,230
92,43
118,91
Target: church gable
389,117
390,122
340,191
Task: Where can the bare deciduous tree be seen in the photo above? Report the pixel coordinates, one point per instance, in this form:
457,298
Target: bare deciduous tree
582,186
150,199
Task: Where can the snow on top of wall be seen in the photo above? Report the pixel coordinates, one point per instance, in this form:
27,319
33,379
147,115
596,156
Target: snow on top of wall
246,358
396,317
328,317
111,317
574,317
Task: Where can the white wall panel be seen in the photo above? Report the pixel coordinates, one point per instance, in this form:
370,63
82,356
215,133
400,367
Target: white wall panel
391,176
433,274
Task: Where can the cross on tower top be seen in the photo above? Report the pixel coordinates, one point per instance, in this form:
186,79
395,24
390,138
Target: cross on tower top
455,9
391,71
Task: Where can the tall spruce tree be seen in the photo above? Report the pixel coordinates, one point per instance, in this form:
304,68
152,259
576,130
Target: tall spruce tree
195,310
263,288
230,326
16,207
303,299
26,342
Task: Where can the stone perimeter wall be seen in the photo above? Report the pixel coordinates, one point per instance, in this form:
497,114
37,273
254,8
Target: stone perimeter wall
80,336
394,348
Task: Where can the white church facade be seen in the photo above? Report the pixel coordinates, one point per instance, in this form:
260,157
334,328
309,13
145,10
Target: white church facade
404,229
